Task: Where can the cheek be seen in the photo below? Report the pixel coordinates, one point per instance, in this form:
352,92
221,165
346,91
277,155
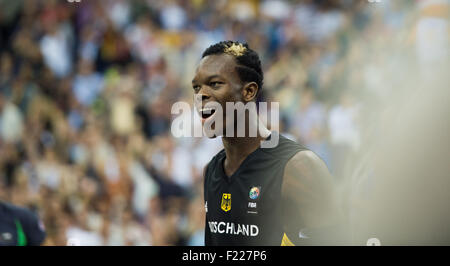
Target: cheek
231,93
227,98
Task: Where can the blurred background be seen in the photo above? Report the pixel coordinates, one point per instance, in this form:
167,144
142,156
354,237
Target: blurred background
86,90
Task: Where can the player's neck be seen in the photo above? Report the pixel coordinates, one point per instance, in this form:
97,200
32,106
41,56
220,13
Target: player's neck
240,145
238,148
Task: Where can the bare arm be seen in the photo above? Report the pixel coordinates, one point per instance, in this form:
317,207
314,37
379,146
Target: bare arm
310,207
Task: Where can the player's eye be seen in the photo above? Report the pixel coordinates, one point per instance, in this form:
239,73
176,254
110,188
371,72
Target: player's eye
215,83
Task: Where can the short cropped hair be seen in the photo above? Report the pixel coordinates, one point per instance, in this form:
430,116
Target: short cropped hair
248,62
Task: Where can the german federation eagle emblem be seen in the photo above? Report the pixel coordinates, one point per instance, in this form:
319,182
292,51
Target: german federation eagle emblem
226,202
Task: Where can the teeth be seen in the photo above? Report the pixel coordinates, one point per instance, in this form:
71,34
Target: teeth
206,110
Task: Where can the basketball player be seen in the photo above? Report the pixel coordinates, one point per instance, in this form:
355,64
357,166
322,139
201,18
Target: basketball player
253,195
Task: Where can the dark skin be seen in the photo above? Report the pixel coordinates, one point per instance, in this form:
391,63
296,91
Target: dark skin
216,80
307,181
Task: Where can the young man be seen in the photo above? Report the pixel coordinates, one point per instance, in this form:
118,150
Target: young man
19,226
255,195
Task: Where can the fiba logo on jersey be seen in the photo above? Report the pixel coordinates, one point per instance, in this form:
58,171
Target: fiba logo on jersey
254,193
226,202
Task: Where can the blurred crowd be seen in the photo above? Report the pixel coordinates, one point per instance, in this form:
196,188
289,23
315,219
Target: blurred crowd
86,90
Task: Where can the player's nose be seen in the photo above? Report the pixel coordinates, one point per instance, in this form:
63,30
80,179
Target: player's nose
204,97
200,99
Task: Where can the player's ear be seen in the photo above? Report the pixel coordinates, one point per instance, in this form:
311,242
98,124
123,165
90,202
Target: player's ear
249,91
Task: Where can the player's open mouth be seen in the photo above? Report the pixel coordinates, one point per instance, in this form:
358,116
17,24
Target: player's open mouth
206,113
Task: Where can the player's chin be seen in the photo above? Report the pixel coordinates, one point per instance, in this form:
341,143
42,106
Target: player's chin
210,131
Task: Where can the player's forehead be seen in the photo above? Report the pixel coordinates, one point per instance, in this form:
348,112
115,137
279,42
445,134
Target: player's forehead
216,65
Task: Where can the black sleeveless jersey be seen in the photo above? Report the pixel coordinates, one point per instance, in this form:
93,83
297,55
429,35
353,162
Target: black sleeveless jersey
245,209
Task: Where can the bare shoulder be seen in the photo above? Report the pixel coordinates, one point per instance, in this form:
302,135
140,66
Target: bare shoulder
309,191
309,185
306,166
306,159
